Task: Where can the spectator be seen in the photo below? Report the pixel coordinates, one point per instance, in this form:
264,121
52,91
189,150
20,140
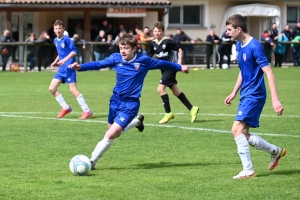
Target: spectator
104,27
266,37
288,34
79,47
51,49
100,50
93,32
6,51
145,37
280,49
110,30
111,44
179,37
78,30
117,50
31,51
274,32
138,37
296,50
225,49
214,39
44,50
296,30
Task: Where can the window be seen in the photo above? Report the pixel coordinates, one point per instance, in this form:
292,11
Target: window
293,14
186,15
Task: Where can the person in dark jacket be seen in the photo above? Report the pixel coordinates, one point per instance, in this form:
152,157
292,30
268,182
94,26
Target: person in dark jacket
44,51
179,37
296,30
79,47
31,51
214,39
268,45
100,50
288,34
225,49
6,51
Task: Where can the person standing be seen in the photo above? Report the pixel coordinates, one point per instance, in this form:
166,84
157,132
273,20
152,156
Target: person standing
296,50
253,65
268,45
288,34
162,47
179,37
31,51
144,36
214,39
6,51
296,30
224,49
44,52
280,49
131,70
66,52
79,47
100,50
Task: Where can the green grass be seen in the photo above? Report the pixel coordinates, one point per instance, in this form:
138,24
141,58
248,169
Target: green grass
178,160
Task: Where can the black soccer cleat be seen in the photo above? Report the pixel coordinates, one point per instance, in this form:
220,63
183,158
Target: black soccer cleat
93,165
141,127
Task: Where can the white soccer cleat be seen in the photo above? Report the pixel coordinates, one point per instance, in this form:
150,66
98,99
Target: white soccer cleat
245,174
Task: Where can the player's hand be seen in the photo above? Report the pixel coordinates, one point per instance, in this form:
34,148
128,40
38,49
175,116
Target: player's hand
75,65
277,107
54,64
184,69
228,99
61,62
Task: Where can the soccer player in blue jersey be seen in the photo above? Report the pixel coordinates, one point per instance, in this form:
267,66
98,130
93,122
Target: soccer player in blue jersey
253,65
66,51
131,69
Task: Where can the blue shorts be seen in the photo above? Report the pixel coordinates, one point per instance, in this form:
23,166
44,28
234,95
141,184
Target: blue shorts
122,111
249,111
70,78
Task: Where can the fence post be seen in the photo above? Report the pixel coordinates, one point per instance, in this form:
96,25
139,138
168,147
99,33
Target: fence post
25,57
214,55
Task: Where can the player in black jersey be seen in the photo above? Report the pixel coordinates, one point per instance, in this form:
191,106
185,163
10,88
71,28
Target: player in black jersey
162,48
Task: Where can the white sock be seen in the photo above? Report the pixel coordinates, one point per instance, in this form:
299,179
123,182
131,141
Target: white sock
101,148
82,103
244,151
261,144
134,123
62,102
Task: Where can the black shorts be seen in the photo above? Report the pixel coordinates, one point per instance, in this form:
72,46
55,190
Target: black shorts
168,78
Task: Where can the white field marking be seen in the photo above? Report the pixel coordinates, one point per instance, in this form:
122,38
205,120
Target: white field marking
153,125
144,113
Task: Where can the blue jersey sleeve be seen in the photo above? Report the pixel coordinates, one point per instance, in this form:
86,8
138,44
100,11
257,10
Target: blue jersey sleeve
162,64
260,56
96,65
71,45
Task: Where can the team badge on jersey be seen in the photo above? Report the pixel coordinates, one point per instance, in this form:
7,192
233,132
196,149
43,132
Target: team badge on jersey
62,45
136,66
164,46
244,56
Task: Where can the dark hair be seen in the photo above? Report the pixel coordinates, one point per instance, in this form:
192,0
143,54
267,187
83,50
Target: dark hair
128,39
59,22
159,25
237,21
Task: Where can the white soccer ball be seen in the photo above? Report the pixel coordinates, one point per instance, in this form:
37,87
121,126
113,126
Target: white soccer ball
224,66
80,165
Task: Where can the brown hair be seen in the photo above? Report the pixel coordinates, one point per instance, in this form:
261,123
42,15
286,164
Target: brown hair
237,21
159,25
127,39
59,22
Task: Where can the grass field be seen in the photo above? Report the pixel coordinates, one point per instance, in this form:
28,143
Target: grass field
178,160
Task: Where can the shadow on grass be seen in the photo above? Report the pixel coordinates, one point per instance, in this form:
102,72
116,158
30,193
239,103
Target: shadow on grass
284,172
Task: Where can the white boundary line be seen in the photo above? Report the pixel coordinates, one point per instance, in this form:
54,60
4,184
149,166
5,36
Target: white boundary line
12,114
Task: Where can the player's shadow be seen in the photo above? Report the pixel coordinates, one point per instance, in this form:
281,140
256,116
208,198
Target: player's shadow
284,172
171,164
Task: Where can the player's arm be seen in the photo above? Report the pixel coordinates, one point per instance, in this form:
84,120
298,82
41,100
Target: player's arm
235,90
54,64
272,85
179,56
162,64
94,65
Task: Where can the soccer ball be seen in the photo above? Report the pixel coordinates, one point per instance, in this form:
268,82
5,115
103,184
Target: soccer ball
224,66
80,165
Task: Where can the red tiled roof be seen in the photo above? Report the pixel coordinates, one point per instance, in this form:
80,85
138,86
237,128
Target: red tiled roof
112,2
